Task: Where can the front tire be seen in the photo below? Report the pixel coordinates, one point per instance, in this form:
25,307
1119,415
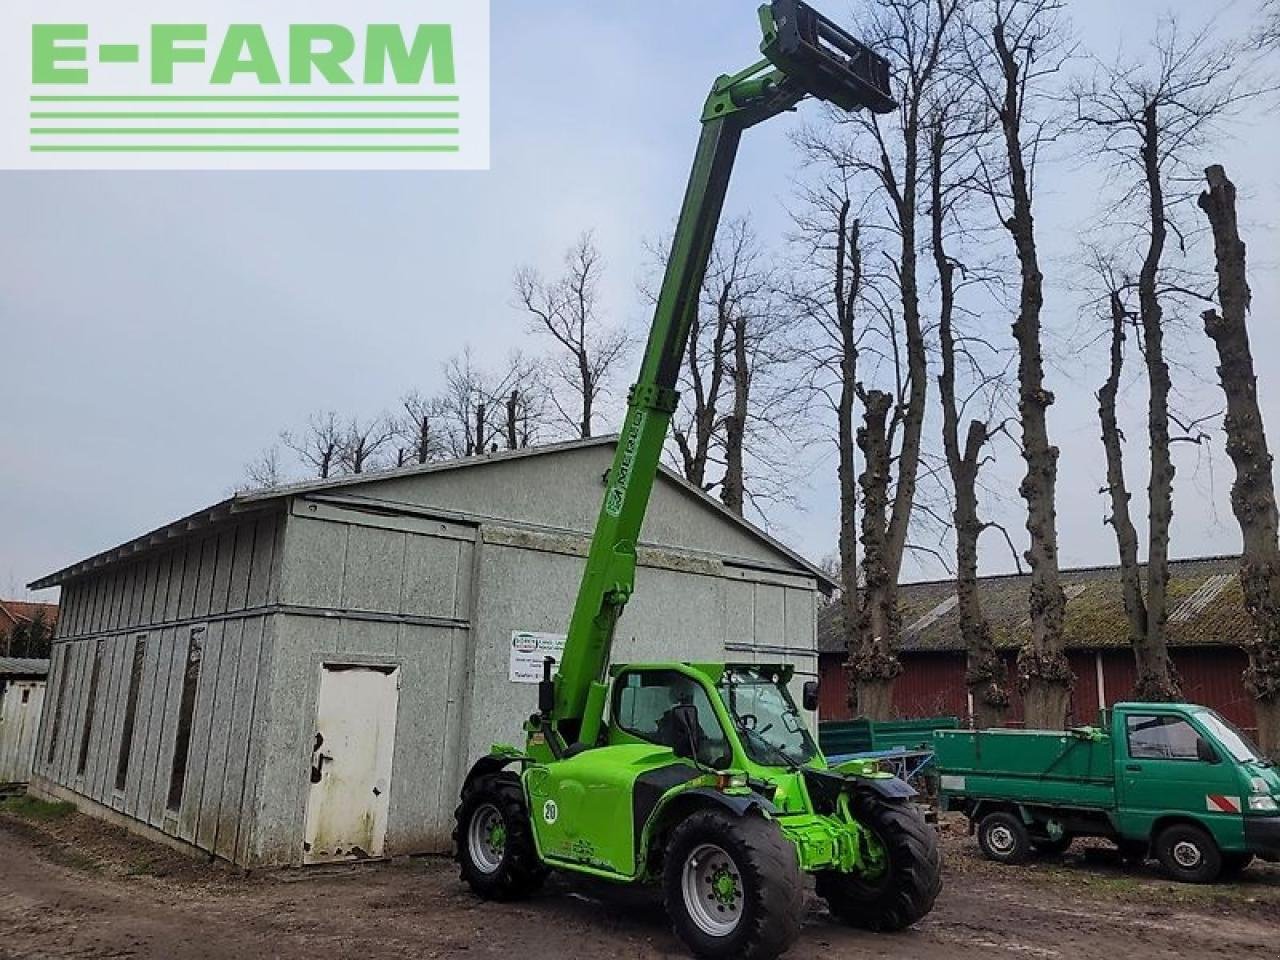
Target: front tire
733,886
908,882
1189,854
492,839
1003,837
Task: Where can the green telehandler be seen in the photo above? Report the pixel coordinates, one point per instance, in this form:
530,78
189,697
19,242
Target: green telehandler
701,777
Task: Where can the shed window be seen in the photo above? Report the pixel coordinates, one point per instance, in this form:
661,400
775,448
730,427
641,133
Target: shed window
130,712
90,705
186,709
57,710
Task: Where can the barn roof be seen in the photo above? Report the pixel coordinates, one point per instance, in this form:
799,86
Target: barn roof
1206,608
255,500
23,667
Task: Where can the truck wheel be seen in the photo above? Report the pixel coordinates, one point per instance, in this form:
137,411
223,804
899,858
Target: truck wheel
1045,847
903,885
733,886
1189,854
493,841
1003,838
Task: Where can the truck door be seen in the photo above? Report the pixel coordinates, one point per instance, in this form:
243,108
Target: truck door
1167,766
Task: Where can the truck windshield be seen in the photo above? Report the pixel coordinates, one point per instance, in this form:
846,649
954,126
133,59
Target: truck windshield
773,732
1235,742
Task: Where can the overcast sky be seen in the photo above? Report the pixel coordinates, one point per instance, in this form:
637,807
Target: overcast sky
158,330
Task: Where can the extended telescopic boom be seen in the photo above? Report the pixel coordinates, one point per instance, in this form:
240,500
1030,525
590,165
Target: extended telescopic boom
805,55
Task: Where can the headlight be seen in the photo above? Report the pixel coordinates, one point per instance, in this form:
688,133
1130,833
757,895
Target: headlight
1258,785
1264,804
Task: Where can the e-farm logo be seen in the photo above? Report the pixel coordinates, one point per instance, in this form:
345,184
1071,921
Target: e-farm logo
156,85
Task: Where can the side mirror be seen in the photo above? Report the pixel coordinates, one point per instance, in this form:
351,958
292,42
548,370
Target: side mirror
1205,752
810,698
686,731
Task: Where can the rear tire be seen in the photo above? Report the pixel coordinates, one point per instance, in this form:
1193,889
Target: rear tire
910,884
1003,837
493,841
733,886
1188,854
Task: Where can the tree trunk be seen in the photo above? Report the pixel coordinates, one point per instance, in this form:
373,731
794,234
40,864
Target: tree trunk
424,440
1121,520
1043,671
874,666
848,283
1253,497
985,674
1156,677
733,489
513,407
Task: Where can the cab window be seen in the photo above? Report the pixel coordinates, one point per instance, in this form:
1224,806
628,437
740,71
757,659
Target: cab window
643,704
1155,737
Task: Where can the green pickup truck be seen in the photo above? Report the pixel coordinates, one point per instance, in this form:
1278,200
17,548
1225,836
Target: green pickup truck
1173,780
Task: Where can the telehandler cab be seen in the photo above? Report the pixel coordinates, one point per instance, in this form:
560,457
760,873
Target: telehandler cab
699,776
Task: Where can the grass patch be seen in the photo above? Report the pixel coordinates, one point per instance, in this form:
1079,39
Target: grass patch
29,808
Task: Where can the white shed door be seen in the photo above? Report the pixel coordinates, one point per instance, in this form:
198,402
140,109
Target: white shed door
351,763
19,726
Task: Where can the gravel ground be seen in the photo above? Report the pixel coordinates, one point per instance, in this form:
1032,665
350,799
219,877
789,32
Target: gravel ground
73,887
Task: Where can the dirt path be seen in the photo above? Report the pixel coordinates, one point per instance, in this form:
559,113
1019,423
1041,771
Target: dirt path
78,889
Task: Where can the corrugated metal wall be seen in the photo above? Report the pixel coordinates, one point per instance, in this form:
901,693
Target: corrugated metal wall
125,634
368,588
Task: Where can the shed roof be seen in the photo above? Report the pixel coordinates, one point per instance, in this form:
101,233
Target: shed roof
249,501
23,667
1206,608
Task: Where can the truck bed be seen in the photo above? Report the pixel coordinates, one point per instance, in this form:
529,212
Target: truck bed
1061,768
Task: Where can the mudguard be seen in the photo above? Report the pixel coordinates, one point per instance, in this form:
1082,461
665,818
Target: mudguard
490,763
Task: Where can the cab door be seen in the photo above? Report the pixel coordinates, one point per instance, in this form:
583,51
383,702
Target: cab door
1166,765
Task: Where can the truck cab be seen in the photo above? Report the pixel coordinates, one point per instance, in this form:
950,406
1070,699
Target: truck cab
1173,780
1182,763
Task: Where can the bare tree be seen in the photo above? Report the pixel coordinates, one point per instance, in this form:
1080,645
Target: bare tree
568,309
1267,34
319,444
479,410
1146,120
953,135
264,471
1013,47
1253,496
366,442
420,428
826,292
916,38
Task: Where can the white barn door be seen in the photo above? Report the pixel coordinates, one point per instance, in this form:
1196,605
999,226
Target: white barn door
351,762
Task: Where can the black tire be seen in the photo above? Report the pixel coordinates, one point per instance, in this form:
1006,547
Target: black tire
906,890
1003,838
512,869
761,912
1044,847
1234,864
1188,854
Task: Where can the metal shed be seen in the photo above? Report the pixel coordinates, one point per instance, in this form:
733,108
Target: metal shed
22,683
305,674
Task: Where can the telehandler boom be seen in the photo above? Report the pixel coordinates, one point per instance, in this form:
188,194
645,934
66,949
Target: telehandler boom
702,777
